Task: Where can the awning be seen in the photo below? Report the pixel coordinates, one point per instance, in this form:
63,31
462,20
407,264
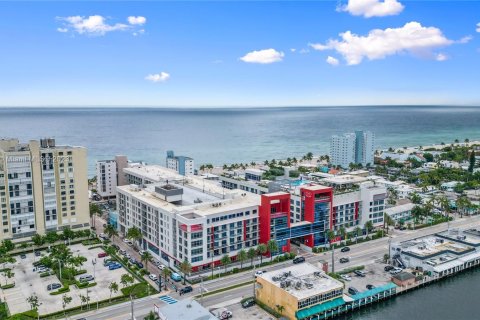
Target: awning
319,308
448,265
374,291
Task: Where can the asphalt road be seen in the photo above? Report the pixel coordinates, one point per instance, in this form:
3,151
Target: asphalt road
360,254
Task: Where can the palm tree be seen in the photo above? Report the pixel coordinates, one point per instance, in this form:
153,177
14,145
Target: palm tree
368,226
134,234
113,287
358,233
166,273
415,198
261,250
83,300
151,316
272,246
110,231
145,257
251,253
343,233
185,267
65,301
280,308
444,205
330,236
241,256
126,280
225,261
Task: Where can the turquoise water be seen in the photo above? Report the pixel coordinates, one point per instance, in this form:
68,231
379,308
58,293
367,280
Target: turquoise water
221,136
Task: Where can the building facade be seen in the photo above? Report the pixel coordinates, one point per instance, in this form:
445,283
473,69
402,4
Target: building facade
358,148
43,187
110,175
181,164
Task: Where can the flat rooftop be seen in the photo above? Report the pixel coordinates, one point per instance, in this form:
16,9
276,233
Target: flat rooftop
400,208
186,310
302,280
154,173
344,179
469,236
433,245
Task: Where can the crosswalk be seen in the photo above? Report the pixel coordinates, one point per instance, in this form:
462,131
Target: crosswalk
168,299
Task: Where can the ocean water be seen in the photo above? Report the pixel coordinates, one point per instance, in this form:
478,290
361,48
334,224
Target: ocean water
221,136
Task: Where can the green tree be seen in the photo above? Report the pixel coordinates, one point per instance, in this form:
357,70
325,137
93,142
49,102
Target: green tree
38,240
67,233
126,280
225,261
8,245
151,316
145,257
343,233
51,237
65,301
358,233
134,234
415,198
185,268
111,232
83,300
472,162
280,308
241,256
251,253
8,274
113,287
94,210
368,226
261,250
33,302
166,272
272,246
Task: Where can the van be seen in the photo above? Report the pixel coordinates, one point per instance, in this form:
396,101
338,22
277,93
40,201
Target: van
176,277
86,278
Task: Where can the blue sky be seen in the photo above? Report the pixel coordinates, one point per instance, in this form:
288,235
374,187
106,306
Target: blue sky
229,53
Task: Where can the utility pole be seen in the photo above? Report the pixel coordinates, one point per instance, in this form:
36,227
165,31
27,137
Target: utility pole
60,268
333,257
131,307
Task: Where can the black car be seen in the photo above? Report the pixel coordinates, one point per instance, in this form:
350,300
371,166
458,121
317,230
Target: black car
116,247
53,286
344,260
352,291
185,290
345,249
248,303
132,261
370,286
139,264
388,268
23,256
298,260
37,253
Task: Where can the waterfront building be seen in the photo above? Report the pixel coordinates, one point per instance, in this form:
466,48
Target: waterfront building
184,309
253,174
43,187
189,218
110,175
181,164
143,175
358,147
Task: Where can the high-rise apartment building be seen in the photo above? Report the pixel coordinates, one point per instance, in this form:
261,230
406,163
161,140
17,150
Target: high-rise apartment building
43,187
181,164
110,175
358,147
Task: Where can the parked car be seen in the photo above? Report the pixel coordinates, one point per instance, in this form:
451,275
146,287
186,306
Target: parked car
40,269
259,272
141,252
344,260
116,247
103,236
107,263
132,261
114,266
175,277
23,256
345,249
388,268
185,290
139,264
53,286
37,253
86,278
153,277
128,242
127,255
226,314
248,303
370,286
346,277
395,271
359,273
161,266
102,254
352,291
122,252
298,260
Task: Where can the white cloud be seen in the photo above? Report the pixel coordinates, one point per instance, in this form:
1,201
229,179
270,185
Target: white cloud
441,57
94,25
158,77
412,38
372,8
478,27
137,20
293,49
465,39
263,56
332,61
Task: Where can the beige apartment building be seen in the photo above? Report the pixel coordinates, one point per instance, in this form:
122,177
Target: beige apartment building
43,187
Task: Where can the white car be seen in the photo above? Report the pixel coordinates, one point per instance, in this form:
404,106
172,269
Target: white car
141,252
128,256
395,271
129,242
152,277
161,266
259,273
103,235
346,277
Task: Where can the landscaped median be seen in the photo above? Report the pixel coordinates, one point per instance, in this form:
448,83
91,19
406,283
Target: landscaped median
238,285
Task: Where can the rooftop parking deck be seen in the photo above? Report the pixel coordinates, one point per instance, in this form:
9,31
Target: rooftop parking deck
433,245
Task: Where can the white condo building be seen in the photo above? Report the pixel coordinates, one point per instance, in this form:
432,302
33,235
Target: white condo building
187,217
181,164
358,147
110,175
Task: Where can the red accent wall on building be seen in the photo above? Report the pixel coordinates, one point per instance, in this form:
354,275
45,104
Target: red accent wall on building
280,201
356,211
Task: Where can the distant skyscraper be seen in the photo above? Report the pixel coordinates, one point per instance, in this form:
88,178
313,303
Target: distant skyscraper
110,175
357,147
183,165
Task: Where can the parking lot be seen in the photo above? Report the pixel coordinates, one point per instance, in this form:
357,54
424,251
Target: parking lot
29,282
253,312
374,275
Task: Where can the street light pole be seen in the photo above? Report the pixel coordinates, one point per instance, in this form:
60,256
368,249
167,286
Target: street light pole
94,262
60,268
